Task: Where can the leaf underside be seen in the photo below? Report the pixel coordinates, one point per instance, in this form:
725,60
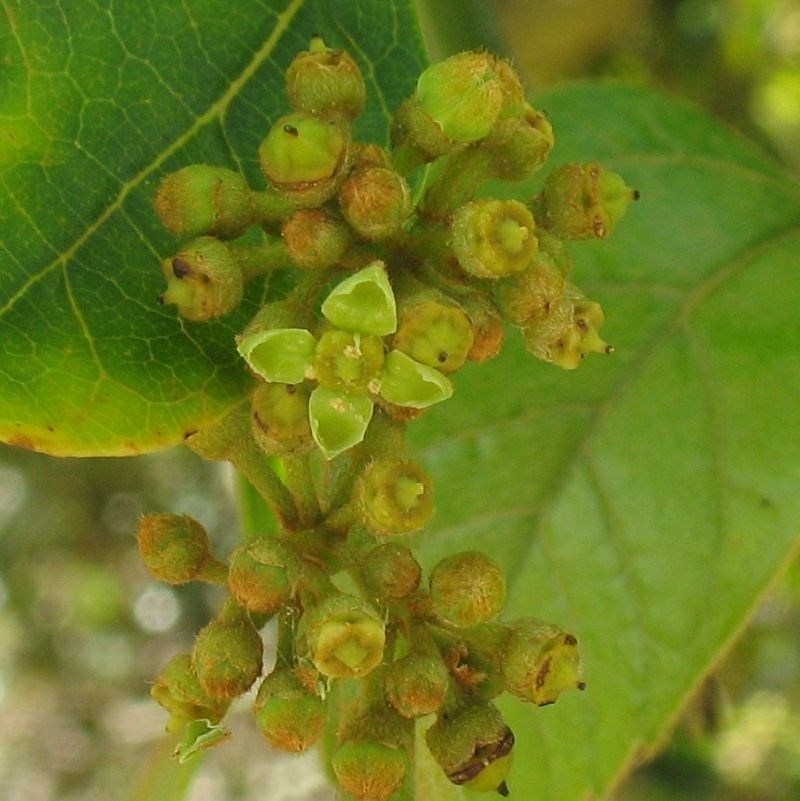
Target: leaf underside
644,502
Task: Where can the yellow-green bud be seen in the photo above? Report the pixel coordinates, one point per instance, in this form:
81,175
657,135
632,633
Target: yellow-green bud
315,239
344,637
290,716
204,280
540,661
179,691
518,145
228,653
582,201
394,497
261,575
467,589
417,684
391,571
376,201
200,199
280,418
326,82
305,157
493,238
176,549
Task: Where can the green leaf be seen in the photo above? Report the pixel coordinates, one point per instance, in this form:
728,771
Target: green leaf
96,105
646,501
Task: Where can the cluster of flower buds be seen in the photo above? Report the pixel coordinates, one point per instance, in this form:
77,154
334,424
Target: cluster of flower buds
399,276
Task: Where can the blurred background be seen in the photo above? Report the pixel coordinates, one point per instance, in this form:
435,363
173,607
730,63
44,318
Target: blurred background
83,629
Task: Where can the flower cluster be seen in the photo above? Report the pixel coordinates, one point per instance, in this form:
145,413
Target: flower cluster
391,292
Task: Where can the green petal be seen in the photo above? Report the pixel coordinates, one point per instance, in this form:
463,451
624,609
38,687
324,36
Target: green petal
363,303
282,355
338,420
407,382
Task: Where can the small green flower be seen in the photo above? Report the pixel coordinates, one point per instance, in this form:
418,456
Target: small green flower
348,362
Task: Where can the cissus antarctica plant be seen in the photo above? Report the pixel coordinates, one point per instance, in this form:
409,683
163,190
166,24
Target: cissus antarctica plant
397,272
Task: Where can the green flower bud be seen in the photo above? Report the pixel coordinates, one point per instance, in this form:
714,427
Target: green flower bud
176,549
305,157
391,571
348,362
467,589
376,201
473,745
493,238
179,691
416,137
261,575
533,294
344,636
540,661
407,382
464,94
280,418
283,355
338,420
582,201
315,239
369,771
200,199
417,684
289,714
394,496
434,330
519,145
228,653
326,82
204,280
364,302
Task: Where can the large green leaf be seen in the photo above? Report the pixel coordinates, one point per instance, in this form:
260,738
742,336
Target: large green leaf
97,102
647,500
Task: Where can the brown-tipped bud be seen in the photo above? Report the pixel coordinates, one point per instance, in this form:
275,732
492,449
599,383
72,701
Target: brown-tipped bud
540,661
179,691
176,548
434,330
305,158
326,82
315,239
200,199
343,636
391,571
474,746
394,496
417,684
488,330
204,280
289,715
467,589
519,145
582,201
228,653
261,576
280,418
376,201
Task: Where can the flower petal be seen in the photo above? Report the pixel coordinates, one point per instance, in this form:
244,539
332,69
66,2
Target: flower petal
338,420
407,382
363,303
282,355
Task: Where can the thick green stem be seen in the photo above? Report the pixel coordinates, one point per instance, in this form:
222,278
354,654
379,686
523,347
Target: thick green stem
300,481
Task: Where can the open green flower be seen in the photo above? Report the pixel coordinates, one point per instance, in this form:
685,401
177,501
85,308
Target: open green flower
348,362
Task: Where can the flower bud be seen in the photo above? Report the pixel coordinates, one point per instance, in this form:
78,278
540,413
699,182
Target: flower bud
540,661
376,201
204,280
417,684
391,571
280,422
348,362
474,746
416,137
519,145
305,157
176,549
344,636
488,331
228,653
582,201
394,497
315,239
260,577
434,330
200,199
467,589
290,716
179,691
493,238
326,82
